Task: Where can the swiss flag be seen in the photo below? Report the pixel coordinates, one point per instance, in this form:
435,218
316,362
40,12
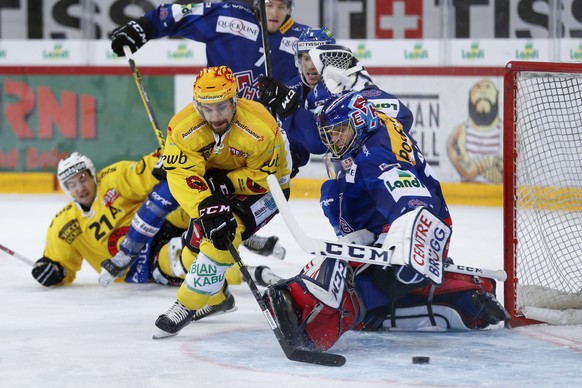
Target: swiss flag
398,19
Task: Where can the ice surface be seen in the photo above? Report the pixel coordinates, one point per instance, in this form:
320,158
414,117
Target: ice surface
86,336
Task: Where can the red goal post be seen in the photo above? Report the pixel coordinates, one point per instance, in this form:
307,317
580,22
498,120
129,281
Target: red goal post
543,192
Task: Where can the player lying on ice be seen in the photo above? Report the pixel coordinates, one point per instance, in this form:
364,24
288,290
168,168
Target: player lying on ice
218,154
94,223
381,180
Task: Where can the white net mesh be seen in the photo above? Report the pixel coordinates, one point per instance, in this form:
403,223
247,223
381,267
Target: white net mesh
548,202
336,58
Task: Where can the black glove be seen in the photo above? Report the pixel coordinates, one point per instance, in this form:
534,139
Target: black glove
133,34
218,223
48,272
218,182
275,95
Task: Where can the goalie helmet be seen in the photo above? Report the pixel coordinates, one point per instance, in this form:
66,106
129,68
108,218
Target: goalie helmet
214,84
71,166
290,5
337,65
311,38
345,122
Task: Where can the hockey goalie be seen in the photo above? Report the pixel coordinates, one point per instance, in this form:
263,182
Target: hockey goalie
382,193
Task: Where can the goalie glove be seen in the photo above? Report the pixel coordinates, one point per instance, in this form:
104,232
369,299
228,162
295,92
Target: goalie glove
275,95
48,272
134,34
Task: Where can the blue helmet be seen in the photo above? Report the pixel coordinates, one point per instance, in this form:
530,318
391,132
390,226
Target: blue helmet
345,122
311,38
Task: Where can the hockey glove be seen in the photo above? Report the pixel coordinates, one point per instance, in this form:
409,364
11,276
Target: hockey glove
133,34
217,220
218,182
48,272
275,95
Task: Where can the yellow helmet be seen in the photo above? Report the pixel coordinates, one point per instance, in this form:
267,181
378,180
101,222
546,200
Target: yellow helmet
214,84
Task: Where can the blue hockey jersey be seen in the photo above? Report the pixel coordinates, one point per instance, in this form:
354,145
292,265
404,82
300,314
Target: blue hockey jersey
386,177
233,37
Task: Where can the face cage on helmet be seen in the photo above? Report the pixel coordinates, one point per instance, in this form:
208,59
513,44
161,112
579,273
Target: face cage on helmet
326,132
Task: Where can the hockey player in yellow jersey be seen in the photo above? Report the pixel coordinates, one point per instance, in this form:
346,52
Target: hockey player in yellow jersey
219,152
93,224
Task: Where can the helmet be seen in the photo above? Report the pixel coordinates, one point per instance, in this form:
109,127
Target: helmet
290,5
311,38
347,111
214,84
71,166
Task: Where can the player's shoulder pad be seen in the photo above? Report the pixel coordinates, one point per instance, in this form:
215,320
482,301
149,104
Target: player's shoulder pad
185,123
253,117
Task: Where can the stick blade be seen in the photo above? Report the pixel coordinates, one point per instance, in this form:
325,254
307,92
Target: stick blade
317,358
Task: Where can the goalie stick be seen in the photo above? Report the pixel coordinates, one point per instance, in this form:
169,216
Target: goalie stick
353,252
17,255
294,354
144,97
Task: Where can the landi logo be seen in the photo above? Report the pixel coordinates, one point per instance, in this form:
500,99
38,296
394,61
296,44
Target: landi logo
2,53
181,53
474,52
361,52
574,54
417,52
57,52
529,52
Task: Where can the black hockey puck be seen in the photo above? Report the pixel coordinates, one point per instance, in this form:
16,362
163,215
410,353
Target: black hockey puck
420,360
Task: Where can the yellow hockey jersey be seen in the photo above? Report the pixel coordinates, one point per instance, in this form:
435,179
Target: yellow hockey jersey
95,236
250,150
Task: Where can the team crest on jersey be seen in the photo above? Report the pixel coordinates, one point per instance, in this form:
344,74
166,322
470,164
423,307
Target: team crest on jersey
70,231
115,238
110,196
255,188
196,183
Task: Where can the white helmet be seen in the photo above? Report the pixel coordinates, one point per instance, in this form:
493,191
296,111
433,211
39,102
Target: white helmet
71,166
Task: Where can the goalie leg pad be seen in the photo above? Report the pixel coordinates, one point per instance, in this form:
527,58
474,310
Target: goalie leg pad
318,309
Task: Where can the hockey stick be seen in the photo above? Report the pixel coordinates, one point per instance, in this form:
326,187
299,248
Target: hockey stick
144,97
294,354
17,255
353,252
265,34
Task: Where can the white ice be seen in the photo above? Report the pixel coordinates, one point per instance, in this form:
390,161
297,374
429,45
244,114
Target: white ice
86,336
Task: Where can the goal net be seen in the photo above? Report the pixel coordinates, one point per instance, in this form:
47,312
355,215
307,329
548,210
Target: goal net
543,192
